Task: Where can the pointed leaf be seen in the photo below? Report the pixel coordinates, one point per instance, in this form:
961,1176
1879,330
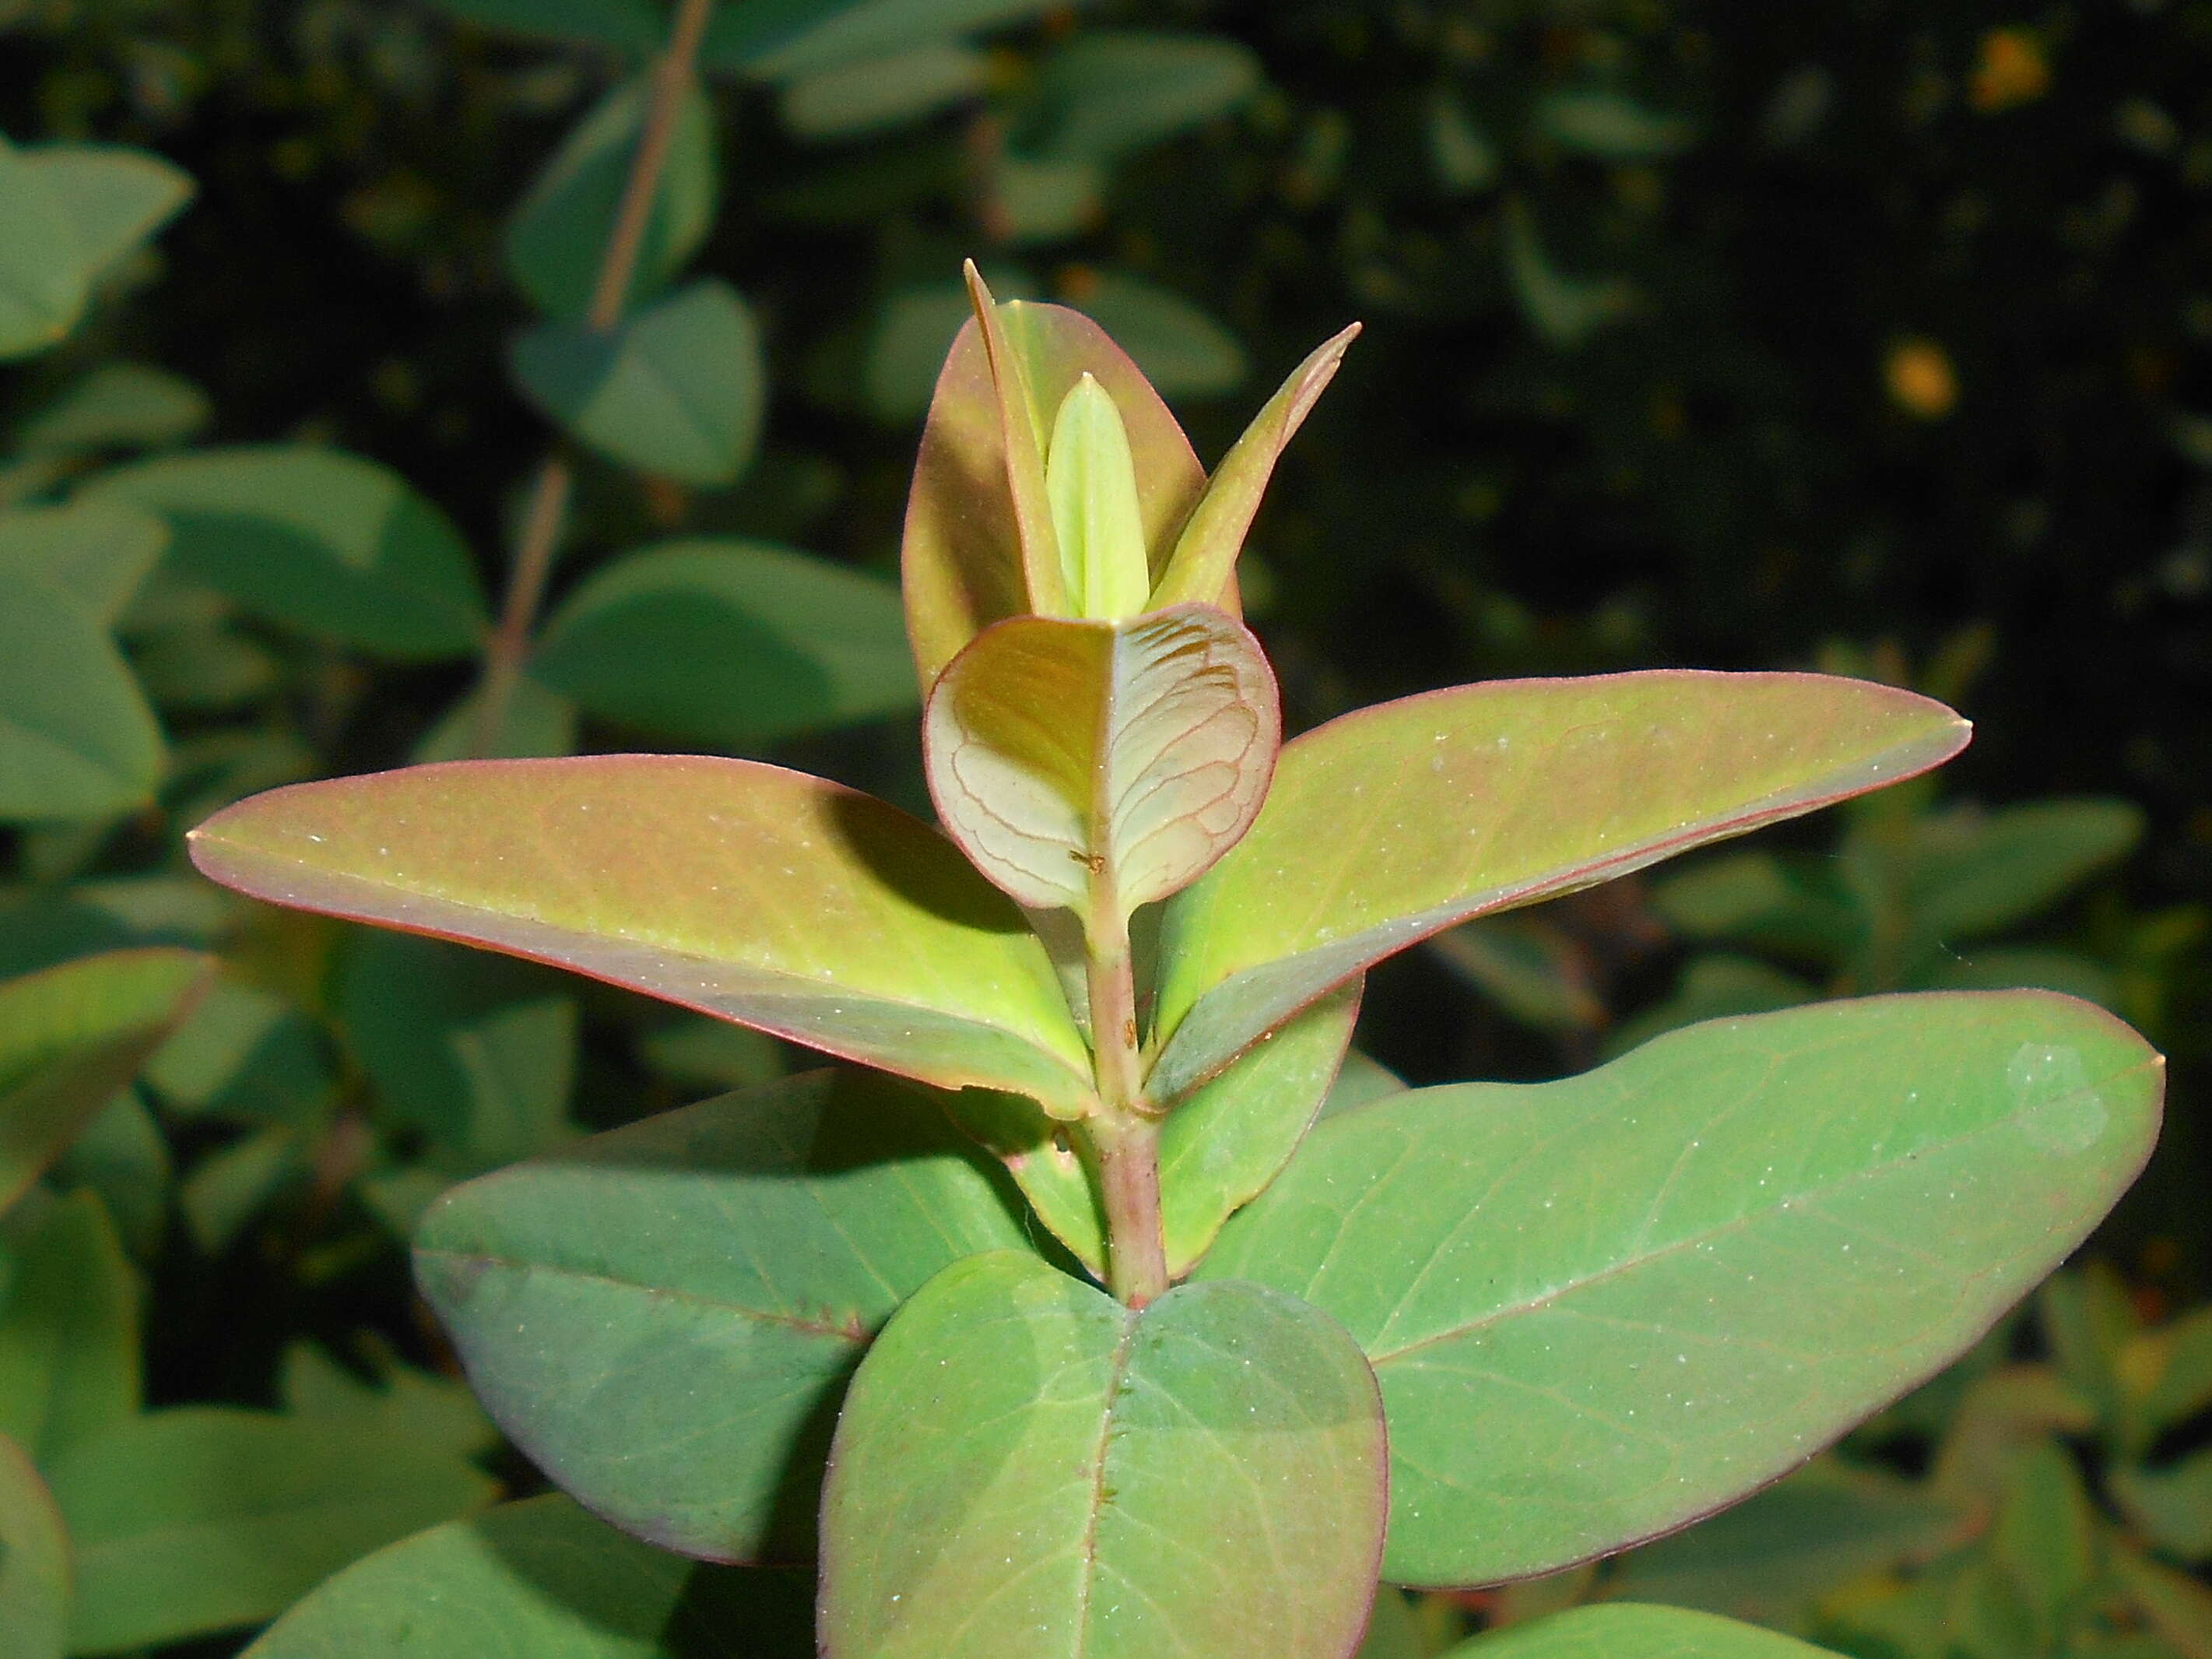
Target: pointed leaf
1396,822
870,95
1627,1630
542,1579
1205,558
68,1326
738,890
118,405
963,562
664,1317
729,643
330,543
77,740
679,389
560,230
1023,425
112,198
1219,1148
1204,1477
73,1035
1604,1306
1084,763
2172,1505
34,1562
204,1518
1973,872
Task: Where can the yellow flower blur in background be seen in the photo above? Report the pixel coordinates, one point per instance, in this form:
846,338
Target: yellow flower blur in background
2012,71
1921,380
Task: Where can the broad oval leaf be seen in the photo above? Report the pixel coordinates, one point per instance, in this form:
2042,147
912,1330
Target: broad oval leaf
559,233
34,1562
541,1579
743,890
678,389
97,552
68,212
1219,1148
330,543
71,1036
1628,1629
963,557
665,1317
1602,1307
202,1518
69,1367
78,738
728,642
1111,91
1081,763
787,37
1396,822
1026,1469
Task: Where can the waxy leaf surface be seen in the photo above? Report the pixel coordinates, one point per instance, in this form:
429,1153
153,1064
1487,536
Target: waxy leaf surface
963,561
1076,760
542,1579
1602,1307
1627,1630
762,896
71,1036
1028,1469
665,1317
1219,1148
1395,823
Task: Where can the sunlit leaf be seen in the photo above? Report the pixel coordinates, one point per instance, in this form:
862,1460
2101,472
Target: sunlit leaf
330,543
962,564
678,389
729,643
559,232
541,1580
734,889
1204,1477
1395,822
1082,764
77,739
664,1317
70,1036
1601,1307
34,1562
1627,1630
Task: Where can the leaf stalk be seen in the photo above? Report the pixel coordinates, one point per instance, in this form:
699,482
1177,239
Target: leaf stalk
1125,1135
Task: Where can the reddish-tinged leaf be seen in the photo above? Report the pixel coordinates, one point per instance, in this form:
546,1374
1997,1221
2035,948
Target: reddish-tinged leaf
1398,821
760,895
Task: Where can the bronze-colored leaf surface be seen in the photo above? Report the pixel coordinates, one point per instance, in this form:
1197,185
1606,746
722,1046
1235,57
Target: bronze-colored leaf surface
1085,764
744,891
1398,821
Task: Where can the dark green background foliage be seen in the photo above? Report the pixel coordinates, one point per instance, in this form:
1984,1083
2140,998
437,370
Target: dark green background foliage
1875,335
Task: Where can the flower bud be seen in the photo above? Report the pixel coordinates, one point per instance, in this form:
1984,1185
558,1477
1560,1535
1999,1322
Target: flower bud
1090,481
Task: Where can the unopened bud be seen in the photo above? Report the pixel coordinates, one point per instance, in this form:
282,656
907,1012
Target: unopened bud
1091,481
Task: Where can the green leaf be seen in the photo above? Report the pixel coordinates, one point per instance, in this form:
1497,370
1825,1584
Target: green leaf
962,564
1038,202
849,99
664,1317
1973,873
1769,1557
122,1156
909,338
536,723
1716,987
1612,128
1204,562
68,212
119,405
541,1580
1204,1477
2046,1536
1180,348
733,889
245,1056
1565,310
205,1517
633,27
229,1187
559,232
1096,766
1219,1148
1393,1633
2179,1375
331,544
678,389
1625,1630
1533,970
77,740
96,552
777,40
1360,1080
73,1035
34,1563
68,1326
1439,808
1108,91
1795,908
1090,483
2171,1505
2178,1605
1463,156
729,643
1602,1307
